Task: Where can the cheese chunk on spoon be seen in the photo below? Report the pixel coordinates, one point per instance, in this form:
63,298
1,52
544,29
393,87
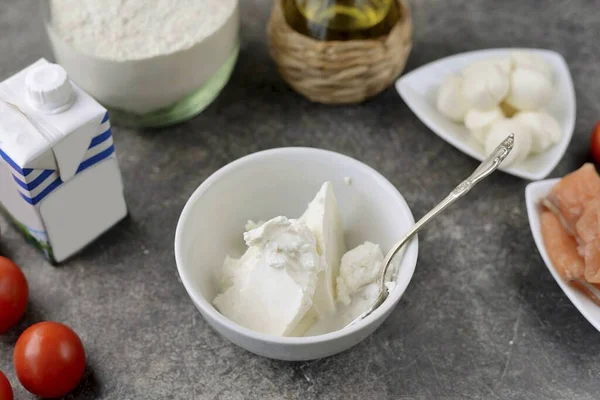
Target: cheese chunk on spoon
360,267
357,288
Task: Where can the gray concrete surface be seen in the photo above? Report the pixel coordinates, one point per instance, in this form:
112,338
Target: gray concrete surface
482,318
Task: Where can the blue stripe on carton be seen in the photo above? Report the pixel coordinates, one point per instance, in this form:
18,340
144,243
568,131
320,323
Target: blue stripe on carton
83,166
36,182
104,136
96,159
45,175
14,165
33,201
100,138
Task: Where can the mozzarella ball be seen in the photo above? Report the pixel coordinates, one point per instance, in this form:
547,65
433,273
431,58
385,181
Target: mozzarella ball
529,90
505,64
450,101
526,59
479,122
545,130
500,130
485,86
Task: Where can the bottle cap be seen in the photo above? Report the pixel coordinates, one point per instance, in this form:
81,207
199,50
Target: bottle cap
49,89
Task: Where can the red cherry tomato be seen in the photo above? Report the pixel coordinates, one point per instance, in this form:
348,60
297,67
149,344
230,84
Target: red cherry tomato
49,359
6,392
13,294
595,143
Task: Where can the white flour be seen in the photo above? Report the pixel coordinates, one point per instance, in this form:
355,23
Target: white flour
143,55
135,29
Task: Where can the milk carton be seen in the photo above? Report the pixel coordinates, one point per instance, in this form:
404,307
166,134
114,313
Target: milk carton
59,178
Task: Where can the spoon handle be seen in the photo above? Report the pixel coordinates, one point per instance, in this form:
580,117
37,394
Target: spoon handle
489,165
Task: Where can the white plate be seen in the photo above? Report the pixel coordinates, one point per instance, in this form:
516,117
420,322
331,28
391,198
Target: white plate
419,87
533,194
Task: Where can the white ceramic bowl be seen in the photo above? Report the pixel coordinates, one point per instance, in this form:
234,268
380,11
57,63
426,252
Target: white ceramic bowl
534,193
282,182
418,89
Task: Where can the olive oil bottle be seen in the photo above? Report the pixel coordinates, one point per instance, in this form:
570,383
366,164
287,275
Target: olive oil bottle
341,19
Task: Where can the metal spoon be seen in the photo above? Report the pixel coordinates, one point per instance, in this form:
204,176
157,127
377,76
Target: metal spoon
488,166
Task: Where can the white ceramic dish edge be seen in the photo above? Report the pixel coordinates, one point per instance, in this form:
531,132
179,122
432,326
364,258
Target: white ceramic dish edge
458,136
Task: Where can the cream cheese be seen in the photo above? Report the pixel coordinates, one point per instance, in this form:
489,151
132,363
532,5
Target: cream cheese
271,287
357,288
296,278
360,267
324,220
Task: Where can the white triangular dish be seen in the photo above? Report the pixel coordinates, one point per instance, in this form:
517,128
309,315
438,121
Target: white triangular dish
419,87
534,193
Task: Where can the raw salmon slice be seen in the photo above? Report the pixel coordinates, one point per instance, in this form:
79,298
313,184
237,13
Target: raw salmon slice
588,226
570,196
592,261
561,247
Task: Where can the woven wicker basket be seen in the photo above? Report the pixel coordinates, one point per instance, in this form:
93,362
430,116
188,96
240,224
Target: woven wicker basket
339,72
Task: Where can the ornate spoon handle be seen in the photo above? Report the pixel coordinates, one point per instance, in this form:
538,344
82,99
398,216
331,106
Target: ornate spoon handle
489,165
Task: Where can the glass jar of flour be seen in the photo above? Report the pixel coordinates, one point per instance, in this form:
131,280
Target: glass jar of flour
151,63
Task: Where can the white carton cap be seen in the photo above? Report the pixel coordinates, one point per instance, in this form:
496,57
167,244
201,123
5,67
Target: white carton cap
49,89
46,138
